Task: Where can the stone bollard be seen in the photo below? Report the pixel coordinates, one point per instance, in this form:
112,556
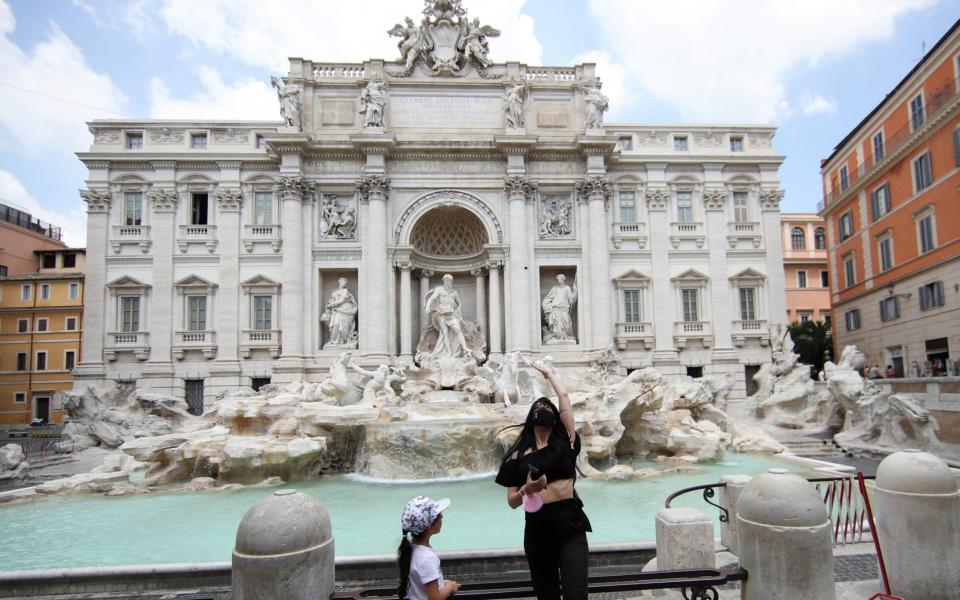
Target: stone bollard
916,507
783,535
284,549
729,497
684,539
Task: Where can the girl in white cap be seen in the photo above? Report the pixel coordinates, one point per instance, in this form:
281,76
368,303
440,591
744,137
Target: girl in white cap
420,574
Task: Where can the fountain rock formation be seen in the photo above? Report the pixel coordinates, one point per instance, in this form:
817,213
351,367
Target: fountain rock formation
13,463
866,415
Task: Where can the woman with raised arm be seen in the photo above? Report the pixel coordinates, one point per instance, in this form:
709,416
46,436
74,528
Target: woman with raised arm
539,471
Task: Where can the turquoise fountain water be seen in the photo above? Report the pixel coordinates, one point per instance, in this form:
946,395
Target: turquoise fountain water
86,531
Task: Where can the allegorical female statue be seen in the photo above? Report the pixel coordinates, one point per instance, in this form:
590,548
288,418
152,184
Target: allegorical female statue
340,316
290,104
443,306
372,99
556,313
596,104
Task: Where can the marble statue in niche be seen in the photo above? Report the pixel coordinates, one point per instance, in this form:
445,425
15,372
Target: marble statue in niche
443,306
338,220
512,105
340,315
290,103
557,304
372,98
596,104
556,218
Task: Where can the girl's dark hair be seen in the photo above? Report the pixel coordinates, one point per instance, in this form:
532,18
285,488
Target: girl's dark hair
526,439
404,556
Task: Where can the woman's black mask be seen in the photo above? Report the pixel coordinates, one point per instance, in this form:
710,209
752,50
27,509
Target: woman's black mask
544,417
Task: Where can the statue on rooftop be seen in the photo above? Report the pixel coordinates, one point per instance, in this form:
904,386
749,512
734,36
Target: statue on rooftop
596,104
411,44
290,103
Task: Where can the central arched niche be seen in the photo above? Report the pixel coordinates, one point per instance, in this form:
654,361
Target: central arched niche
449,231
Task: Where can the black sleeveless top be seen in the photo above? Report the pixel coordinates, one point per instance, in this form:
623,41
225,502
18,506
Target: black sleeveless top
557,460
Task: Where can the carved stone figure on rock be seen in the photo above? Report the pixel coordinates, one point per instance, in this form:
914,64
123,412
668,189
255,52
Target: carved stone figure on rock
556,313
290,102
596,103
337,388
340,316
446,318
372,98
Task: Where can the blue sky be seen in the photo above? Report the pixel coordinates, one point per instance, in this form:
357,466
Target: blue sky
813,68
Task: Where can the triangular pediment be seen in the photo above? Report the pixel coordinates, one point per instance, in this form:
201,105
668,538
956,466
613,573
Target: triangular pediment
631,276
691,275
194,281
127,282
260,281
750,274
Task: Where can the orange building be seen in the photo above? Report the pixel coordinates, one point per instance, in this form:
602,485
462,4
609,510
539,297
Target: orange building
41,317
805,267
20,236
892,208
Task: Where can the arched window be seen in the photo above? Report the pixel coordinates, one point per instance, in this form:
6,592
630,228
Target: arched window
820,239
798,240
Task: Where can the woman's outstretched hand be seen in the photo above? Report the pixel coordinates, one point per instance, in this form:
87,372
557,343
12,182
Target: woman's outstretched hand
539,367
534,486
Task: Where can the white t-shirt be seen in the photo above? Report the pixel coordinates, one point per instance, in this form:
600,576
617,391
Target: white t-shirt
424,568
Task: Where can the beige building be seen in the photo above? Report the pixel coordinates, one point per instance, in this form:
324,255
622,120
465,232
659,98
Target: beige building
805,267
41,317
20,235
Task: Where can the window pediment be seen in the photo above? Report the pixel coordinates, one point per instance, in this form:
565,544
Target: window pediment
691,276
127,284
196,284
260,283
632,278
748,275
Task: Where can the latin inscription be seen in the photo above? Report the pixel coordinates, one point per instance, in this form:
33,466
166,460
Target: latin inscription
445,112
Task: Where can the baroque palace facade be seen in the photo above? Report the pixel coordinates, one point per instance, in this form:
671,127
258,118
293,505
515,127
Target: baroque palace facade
217,250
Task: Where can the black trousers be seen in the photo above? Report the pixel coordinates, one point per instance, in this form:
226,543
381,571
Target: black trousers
555,542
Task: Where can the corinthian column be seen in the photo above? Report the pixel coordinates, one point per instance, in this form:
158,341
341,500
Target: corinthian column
292,191
95,299
481,300
596,192
495,331
406,313
519,190
373,285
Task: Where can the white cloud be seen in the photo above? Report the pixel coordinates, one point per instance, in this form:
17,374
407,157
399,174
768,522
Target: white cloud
730,60
815,104
64,92
265,34
73,224
244,99
131,15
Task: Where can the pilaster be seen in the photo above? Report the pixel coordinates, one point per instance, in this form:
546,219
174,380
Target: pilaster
596,190
518,191
228,318
292,191
714,206
373,191
91,364
770,213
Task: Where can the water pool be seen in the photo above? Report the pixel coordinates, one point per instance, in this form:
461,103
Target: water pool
87,531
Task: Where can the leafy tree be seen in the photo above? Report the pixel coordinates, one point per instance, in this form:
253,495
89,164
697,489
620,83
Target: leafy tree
812,341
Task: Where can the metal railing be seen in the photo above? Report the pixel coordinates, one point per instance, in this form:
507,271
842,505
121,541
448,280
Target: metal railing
25,220
841,496
939,101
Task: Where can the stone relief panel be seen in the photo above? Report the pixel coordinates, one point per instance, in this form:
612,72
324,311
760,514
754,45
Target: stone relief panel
556,217
337,218
106,136
231,136
167,136
706,138
651,138
760,140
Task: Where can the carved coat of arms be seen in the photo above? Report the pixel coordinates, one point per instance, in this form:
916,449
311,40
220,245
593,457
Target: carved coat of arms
446,42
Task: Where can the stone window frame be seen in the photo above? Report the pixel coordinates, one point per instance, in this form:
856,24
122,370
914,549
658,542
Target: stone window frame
261,285
26,362
885,236
750,278
923,213
19,397
911,119
193,134
28,288
681,140
802,279
130,135
819,238
65,353
629,184
882,145
695,187
849,276
913,171
851,320
46,324
45,291
194,285
693,279
126,287
46,360
844,174
73,285
119,191
66,324
737,147
798,238
258,185
196,184
26,325
848,231
928,300
879,210
750,186
633,280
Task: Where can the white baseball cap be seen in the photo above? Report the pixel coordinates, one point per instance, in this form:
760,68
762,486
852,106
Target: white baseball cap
420,513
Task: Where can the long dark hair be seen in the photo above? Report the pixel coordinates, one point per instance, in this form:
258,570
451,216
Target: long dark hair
526,439
404,556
